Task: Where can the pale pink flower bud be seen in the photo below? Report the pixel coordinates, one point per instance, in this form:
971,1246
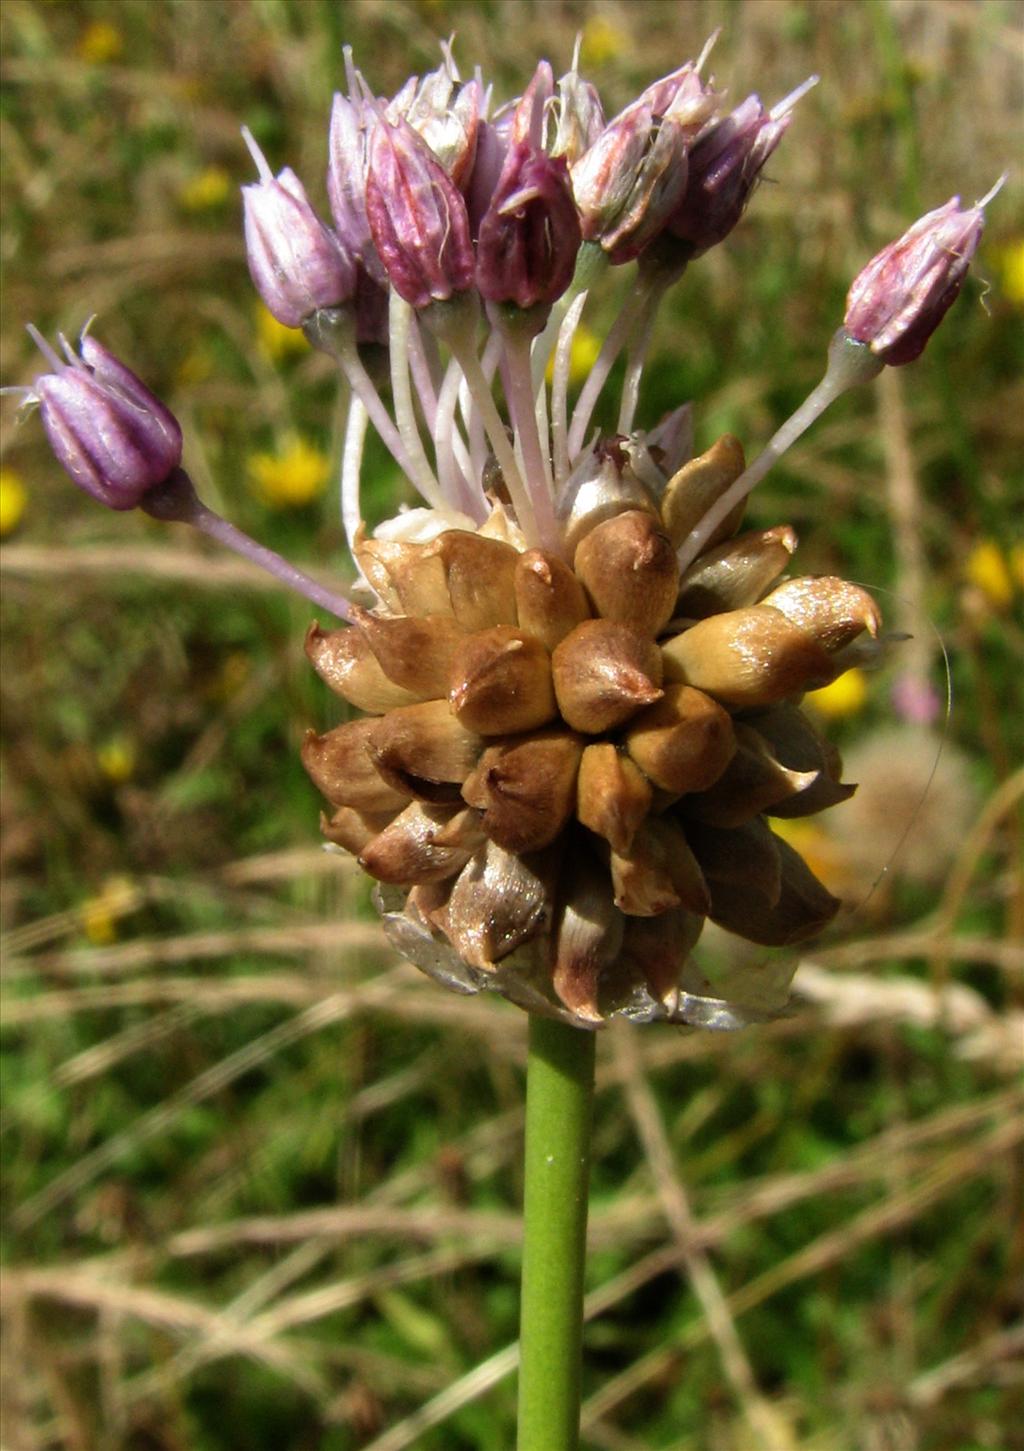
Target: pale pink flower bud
898,300
297,263
108,431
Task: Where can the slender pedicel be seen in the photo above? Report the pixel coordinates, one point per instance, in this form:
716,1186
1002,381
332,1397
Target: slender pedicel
176,501
849,363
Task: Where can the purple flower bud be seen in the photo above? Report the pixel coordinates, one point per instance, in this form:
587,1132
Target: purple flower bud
898,300
725,163
296,262
527,122
445,113
491,150
346,182
417,217
115,439
633,177
530,235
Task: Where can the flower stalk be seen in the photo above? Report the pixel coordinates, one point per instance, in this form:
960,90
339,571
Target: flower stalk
559,1107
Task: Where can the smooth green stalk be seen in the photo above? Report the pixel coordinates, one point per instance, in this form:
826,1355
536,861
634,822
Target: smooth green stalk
559,1097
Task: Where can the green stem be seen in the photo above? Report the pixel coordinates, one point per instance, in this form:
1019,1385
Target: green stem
559,1096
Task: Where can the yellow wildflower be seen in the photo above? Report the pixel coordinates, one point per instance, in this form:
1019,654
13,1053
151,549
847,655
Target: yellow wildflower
116,759
602,41
585,347
100,914
205,190
986,568
845,696
100,42
275,340
292,477
1010,261
13,501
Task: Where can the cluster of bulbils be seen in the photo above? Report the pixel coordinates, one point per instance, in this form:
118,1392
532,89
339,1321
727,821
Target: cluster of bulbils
581,683
567,767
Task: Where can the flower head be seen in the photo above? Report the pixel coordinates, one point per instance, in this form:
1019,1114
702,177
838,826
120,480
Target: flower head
112,436
296,262
898,300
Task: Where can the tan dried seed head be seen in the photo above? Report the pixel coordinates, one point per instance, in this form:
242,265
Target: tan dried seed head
526,788
604,672
683,742
549,598
344,661
500,683
340,766
612,794
690,493
630,572
735,573
747,657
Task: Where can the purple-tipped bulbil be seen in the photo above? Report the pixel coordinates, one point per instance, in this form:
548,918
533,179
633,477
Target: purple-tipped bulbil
112,436
724,165
530,234
417,217
297,263
898,300
633,177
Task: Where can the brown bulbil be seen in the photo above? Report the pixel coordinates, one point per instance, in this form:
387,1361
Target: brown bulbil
789,739
500,682
656,948
754,781
803,909
479,573
549,598
339,765
831,610
526,788
683,742
736,573
407,850
408,580
747,657
415,653
352,829
344,661
658,872
423,750
604,673
498,902
744,856
588,936
630,572
690,493
612,794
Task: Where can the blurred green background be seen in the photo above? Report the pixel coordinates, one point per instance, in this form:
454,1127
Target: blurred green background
261,1180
